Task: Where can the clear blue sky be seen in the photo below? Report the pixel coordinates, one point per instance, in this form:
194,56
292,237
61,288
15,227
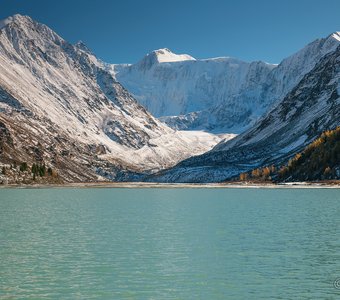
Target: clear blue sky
125,30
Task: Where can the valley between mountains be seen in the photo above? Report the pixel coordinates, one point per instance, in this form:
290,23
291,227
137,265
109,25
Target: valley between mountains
67,116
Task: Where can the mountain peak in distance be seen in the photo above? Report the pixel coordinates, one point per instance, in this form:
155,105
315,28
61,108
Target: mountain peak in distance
163,55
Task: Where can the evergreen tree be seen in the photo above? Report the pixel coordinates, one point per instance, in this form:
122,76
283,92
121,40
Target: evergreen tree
35,171
23,167
49,171
42,170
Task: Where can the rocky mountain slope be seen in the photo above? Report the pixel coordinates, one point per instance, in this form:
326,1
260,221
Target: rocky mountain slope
320,160
58,104
219,94
310,108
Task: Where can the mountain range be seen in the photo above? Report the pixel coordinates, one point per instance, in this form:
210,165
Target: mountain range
220,94
167,118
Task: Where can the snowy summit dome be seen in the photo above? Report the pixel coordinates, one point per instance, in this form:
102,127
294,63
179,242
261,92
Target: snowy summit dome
163,55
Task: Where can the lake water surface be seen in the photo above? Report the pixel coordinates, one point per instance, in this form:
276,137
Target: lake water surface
67,243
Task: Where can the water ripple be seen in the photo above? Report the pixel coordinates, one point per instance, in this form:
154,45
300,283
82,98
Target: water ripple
169,244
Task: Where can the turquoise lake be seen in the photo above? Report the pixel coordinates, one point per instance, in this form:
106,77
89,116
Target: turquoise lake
68,243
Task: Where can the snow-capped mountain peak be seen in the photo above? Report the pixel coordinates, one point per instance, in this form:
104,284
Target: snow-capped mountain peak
159,56
336,35
17,18
25,29
166,55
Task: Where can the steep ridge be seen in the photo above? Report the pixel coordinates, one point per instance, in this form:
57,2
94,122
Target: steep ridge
58,100
312,107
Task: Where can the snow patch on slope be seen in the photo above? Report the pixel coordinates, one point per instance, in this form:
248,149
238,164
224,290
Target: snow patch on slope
182,144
